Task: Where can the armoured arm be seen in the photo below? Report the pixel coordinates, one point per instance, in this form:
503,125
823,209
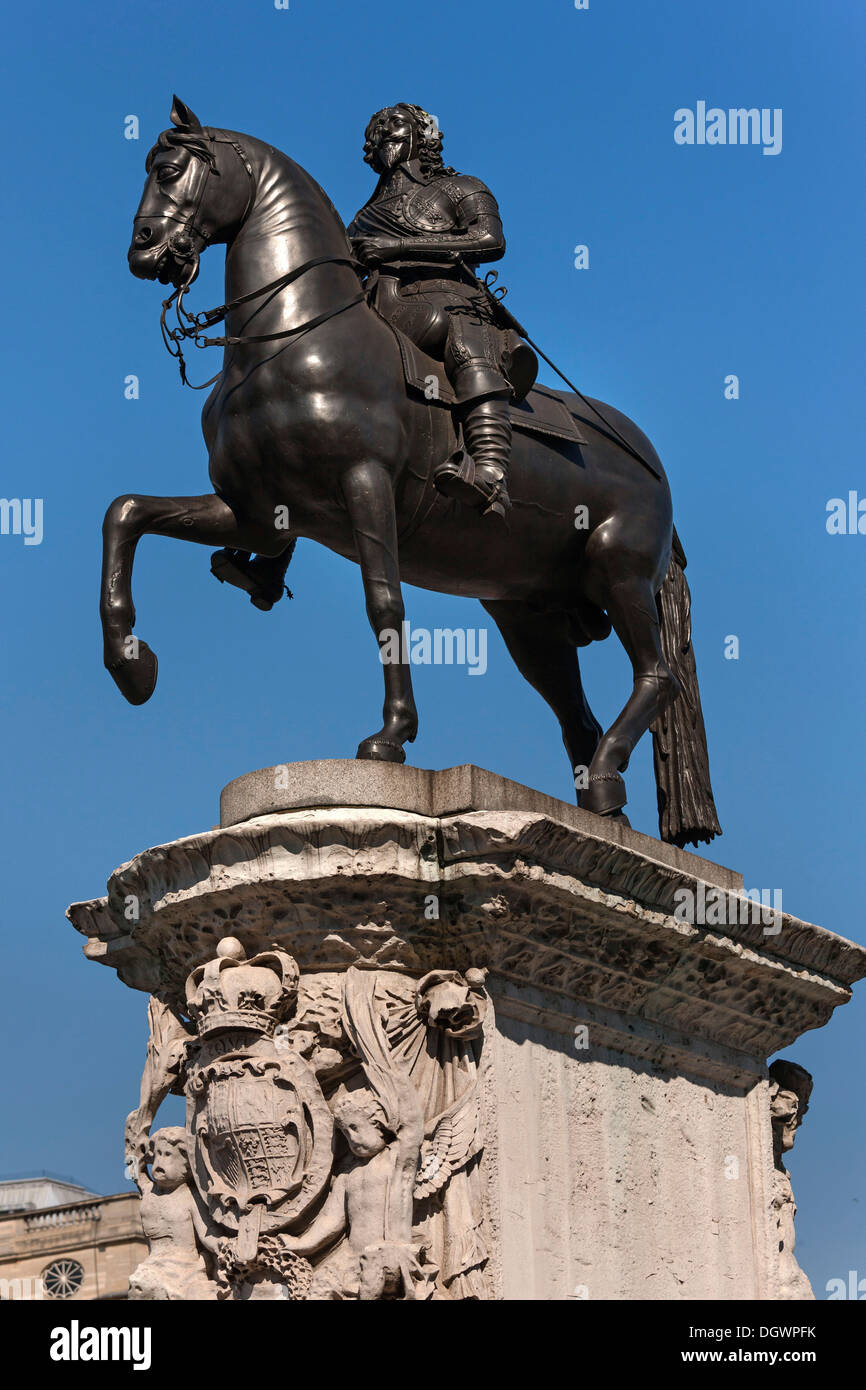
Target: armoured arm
482,240
476,233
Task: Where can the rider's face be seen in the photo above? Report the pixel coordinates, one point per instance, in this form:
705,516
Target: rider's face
396,141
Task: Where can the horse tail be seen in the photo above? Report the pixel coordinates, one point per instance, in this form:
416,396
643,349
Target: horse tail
687,811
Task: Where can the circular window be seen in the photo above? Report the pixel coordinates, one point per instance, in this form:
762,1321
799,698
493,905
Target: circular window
63,1278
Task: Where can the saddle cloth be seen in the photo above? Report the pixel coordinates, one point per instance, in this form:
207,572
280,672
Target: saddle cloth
542,411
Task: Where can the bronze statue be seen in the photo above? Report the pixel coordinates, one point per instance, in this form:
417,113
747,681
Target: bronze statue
316,427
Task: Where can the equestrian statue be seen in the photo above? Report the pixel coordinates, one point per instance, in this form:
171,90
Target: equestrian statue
376,396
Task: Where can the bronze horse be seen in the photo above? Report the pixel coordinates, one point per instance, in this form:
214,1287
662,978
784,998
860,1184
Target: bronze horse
311,419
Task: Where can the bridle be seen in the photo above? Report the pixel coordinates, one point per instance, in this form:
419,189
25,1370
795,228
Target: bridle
190,327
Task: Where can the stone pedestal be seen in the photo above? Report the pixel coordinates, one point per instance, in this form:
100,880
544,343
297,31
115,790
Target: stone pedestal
564,1079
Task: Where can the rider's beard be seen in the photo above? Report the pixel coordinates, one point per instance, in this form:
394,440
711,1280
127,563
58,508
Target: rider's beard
393,152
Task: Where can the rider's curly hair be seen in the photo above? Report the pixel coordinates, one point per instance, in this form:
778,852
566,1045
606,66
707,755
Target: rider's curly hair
429,136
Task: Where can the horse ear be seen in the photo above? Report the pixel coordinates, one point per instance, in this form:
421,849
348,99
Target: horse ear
181,115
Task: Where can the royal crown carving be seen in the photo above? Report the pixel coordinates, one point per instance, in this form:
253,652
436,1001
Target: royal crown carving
232,992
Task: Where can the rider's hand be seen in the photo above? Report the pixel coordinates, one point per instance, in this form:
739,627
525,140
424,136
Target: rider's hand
370,250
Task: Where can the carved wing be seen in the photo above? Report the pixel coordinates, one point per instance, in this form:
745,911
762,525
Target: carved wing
450,1145
163,1068
166,1050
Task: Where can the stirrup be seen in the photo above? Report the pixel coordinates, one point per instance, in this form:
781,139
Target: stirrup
238,568
457,478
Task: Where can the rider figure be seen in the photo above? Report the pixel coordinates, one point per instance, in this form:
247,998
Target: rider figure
422,233
424,230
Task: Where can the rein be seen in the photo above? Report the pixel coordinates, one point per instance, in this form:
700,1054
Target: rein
190,327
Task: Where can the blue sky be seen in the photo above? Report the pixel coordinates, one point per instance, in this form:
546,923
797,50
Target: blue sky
704,262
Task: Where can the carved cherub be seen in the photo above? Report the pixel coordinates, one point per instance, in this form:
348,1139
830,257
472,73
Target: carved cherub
369,1266
175,1227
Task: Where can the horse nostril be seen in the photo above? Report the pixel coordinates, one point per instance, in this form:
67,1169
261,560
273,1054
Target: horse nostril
143,235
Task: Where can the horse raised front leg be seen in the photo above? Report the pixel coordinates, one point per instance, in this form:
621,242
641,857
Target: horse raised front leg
369,496
631,606
206,520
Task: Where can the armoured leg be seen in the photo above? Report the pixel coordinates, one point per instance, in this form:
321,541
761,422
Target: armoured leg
477,474
487,436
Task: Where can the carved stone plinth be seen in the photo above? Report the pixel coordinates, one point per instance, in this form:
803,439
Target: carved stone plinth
444,1037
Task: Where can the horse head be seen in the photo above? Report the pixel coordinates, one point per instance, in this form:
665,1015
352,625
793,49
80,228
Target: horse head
199,187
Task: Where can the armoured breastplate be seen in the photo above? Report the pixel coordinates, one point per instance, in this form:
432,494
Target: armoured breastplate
413,209
430,208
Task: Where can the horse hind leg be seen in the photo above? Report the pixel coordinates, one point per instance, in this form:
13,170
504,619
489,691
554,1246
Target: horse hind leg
544,653
631,606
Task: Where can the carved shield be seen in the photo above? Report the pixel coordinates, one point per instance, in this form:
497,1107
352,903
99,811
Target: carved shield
263,1135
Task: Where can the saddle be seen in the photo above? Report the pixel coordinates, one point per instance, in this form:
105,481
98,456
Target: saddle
541,411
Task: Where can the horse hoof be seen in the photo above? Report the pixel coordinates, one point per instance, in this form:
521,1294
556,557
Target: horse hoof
135,675
380,750
605,794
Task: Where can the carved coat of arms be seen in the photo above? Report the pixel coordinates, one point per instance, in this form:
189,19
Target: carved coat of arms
332,1138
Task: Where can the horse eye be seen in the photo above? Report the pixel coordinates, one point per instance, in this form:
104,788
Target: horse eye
166,171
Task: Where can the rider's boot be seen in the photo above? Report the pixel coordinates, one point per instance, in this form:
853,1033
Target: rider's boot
262,577
477,474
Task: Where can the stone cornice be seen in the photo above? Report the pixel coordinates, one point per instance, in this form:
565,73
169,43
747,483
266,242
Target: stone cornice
537,901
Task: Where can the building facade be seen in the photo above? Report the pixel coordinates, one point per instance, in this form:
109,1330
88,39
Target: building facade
59,1241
